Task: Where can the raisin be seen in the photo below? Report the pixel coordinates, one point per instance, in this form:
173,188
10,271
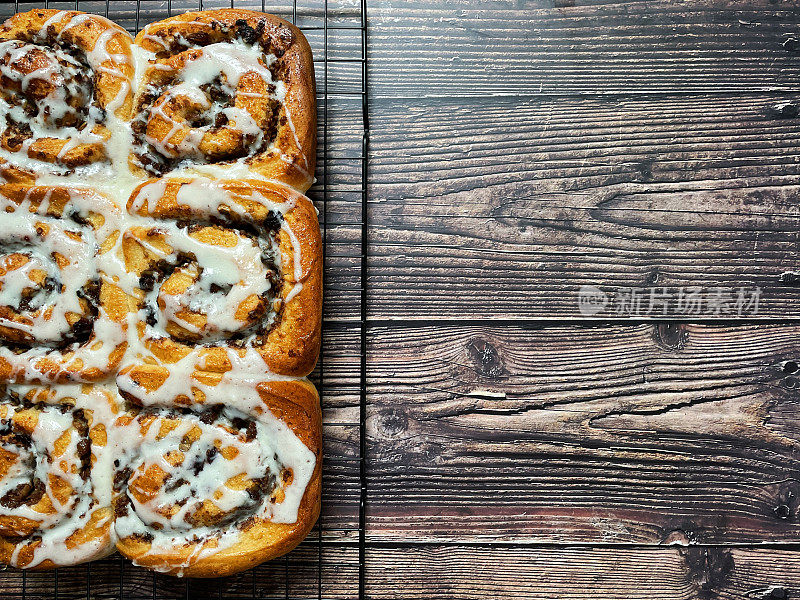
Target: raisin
15,497
272,221
150,316
147,280
199,465
80,332
121,506
211,415
198,38
221,120
121,478
24,493
239,423
246,33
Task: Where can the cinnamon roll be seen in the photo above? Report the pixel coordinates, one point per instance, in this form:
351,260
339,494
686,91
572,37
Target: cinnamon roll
213,492
62,316
65,80
55,475
160,291
227,86
224,267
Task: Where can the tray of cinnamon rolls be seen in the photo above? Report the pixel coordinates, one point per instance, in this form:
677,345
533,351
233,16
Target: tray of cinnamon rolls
160,291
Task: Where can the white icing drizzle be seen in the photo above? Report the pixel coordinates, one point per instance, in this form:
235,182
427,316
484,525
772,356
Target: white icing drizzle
41,462
75,247
31,232
156,40
231,61
208,471
206,196
275,446
61,71
202,198
238,269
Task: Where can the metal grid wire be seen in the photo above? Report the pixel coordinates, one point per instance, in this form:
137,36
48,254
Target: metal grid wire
331,562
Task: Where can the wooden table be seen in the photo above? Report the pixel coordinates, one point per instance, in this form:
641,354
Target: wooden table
517,447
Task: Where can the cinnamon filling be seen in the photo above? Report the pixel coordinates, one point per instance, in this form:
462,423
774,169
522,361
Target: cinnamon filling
47,97
217,121
217,476
181,279
32,286
33,471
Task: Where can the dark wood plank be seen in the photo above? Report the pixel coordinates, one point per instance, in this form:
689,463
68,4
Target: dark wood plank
339,363
422,48
645,434
337,376
469,572
337,196
504,208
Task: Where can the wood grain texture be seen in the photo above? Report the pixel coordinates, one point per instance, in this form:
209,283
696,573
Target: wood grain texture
337,197
337,375
503,208
574,47
624,434
519,151
469,572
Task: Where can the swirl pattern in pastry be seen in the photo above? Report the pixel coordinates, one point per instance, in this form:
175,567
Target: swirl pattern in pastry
62,315
55,474
223,86
66,81
223,267
222,488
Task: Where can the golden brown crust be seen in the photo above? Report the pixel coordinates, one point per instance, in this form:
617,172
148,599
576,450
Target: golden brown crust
82,33
12,174
291,157
45,206
292,344
296,403
74,44
105,50
77,534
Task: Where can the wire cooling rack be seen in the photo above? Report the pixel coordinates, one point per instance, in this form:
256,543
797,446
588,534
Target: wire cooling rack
330,562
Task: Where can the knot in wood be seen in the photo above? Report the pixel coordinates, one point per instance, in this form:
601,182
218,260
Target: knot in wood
486,358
